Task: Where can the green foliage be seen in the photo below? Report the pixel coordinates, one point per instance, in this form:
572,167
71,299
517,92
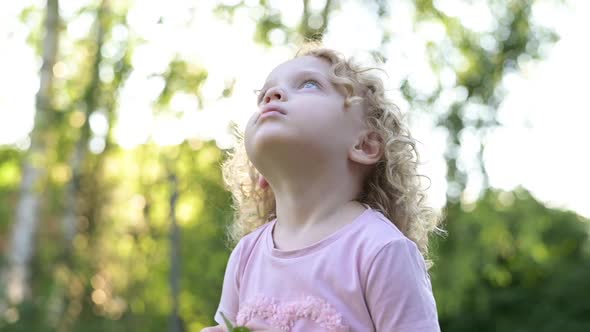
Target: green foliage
232,328
269,22
124,251
509,263
479,60
181,77
9,182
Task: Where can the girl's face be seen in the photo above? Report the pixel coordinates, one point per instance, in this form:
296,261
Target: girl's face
309,118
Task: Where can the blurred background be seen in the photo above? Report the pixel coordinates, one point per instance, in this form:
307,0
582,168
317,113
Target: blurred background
114,119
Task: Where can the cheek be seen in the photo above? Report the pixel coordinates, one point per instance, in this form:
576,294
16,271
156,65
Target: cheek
319,111
329,125
249,128
251,120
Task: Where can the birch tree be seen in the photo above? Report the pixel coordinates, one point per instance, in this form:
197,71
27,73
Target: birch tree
16,273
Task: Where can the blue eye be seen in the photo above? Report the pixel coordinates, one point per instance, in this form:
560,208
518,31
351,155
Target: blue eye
310,84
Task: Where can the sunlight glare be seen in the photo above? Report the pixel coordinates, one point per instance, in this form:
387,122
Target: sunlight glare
165,131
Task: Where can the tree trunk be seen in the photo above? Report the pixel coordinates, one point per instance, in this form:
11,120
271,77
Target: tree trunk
81,147
176,322
16,275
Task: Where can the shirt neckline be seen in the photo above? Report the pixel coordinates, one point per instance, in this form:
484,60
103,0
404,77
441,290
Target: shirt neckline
270,248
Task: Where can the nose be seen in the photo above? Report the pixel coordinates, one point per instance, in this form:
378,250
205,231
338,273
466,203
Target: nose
274,93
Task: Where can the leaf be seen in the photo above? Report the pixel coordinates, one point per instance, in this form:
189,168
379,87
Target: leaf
230,327
234,329
241,329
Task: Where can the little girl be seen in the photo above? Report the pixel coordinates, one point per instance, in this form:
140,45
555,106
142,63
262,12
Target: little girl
330,224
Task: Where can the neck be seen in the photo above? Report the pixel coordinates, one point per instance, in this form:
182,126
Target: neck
308,201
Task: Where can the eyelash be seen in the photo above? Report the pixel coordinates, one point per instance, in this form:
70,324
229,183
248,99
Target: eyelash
310,80
261,93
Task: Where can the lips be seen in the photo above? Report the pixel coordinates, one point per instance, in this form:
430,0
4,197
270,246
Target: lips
271,108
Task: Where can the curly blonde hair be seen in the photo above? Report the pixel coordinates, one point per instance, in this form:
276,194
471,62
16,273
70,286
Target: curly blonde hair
392,187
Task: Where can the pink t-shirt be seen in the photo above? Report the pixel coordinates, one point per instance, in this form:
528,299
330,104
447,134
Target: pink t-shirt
366,276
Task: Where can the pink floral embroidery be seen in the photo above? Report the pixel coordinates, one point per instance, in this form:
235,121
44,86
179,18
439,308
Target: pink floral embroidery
283,316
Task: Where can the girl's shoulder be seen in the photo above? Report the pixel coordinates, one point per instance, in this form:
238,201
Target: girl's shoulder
248,241
379,230
242,252
257,232
379,236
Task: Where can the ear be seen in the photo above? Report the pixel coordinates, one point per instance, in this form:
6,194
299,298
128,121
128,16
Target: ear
262,182
367,149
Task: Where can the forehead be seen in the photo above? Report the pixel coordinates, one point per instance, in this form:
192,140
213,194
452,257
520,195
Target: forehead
307,62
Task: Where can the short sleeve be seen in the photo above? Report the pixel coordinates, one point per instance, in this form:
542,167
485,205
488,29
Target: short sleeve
398,290
228,303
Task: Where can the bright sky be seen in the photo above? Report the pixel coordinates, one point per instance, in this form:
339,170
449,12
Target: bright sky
540,146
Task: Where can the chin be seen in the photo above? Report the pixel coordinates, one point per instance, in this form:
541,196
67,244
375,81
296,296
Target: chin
268,147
